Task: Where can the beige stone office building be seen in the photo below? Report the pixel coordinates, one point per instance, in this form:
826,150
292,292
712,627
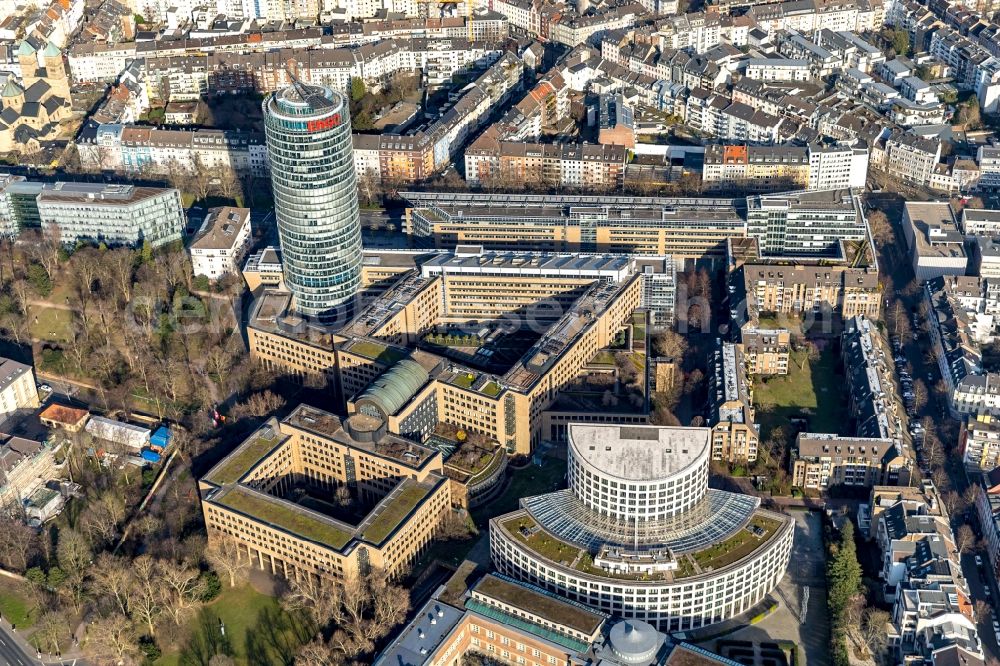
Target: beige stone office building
274,495
680,227
580,303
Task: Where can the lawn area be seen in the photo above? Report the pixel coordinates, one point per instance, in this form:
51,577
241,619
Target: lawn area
533,480
540,542
491,389
603,358
257,631
14,605
811,390
51,324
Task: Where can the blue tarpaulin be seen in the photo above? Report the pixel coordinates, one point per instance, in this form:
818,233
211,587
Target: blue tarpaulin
161,438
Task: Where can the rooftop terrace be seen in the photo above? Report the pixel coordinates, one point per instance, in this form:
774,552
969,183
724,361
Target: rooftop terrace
387,305
389,446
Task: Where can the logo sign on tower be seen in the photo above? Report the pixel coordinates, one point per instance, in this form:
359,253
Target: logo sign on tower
323,123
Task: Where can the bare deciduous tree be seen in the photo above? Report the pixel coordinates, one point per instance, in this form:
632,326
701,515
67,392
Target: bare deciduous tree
111,579
228,557
965,539
112,639
181,588
145,595
51,630
259,405
17,542
873,630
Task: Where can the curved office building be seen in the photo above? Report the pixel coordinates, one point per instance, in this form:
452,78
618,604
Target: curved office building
639,533
309,148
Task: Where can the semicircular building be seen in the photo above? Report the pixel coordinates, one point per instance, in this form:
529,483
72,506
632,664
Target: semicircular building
638,533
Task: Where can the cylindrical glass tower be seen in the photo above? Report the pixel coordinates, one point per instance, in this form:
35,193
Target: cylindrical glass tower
309,148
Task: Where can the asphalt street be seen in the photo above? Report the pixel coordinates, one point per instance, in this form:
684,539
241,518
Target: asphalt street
11,652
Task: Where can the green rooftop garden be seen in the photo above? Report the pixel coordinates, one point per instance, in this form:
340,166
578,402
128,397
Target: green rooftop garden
464,380
714,557
377,351
392,513
738,546
603,357
491,388
559,551
685,568
293,520
538,603
540,542
240,461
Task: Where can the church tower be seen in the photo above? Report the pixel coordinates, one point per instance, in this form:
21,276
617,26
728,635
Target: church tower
55,71
27,57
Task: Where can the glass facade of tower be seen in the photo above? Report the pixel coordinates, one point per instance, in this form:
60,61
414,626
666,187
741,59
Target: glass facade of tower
308,131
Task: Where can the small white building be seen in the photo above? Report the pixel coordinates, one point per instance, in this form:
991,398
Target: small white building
778,69
222,242
17,387
115,432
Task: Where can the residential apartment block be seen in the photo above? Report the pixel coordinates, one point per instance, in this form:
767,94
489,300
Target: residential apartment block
735,435
804,288
954,340
933,618
17,388
869,381
979,442
765,350
820,461
817,166
140,149
222,242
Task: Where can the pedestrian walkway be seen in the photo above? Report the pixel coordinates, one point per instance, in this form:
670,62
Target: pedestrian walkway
15,649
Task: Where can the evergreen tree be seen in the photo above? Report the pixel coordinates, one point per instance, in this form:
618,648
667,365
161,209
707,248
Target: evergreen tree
357,89
843,573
